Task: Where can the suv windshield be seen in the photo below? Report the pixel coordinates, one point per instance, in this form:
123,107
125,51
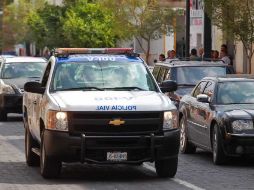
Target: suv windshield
23,70
102,75
235,92
191,75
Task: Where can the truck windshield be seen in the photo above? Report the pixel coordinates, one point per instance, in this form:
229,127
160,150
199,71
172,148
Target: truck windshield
102,75
191,75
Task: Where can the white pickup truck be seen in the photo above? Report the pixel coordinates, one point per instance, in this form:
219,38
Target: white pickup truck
99,106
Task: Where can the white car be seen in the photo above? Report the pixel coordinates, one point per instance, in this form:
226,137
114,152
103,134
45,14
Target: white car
14,73
99,106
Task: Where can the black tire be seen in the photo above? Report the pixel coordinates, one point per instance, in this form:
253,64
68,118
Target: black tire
3,115
166,168
185,146
32,159
219,156
49,168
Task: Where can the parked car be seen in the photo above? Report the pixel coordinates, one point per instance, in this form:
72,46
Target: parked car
187,74
99,106
2,57
218,116
14,73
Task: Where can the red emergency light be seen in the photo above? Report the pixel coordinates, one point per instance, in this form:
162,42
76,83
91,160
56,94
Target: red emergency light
71,51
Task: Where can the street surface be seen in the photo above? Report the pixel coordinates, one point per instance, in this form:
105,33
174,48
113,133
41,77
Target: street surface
194,171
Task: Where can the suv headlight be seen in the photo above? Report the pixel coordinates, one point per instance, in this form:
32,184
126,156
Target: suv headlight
240,125
57,121
6,89
170,120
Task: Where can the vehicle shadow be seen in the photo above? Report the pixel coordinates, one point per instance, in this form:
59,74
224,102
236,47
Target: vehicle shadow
242,161
19,173
14,118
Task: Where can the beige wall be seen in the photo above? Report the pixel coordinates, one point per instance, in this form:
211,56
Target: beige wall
239,57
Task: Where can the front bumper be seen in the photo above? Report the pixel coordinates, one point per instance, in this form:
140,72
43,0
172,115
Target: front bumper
239,144
11,103
93,149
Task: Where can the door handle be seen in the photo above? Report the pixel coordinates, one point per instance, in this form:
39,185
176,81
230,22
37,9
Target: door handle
35,102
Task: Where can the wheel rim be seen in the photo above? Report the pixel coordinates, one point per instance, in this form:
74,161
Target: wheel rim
182,136
214,144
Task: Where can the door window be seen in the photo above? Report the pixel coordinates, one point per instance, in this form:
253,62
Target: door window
155,72
199,89
162,73
167,75
209,89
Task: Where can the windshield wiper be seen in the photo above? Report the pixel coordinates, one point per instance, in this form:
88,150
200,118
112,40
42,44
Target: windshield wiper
128,88
83,88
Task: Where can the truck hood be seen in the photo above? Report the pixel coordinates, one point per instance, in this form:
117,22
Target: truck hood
112,101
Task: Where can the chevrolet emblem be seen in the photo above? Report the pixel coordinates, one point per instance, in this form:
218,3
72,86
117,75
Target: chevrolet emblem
116,122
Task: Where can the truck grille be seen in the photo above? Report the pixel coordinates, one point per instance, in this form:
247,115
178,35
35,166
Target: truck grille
99,122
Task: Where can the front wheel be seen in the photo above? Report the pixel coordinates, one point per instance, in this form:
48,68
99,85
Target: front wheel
219,156
49,168
31,158
3,115
185,146
166,168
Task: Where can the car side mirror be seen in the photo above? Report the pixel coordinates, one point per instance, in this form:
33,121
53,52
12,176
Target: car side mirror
168,86
34,87
203,98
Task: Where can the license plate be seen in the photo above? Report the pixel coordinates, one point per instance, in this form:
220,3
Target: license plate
116,156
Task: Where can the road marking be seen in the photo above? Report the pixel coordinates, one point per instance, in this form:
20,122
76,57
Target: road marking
20,137
179,181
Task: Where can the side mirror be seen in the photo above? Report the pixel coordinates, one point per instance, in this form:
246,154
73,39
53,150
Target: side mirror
168,86
34,87
203,98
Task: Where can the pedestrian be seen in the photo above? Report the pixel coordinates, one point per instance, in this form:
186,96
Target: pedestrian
201,53
172,55
224,48
194,55
168,54
224,57
162,57
224,54
215,55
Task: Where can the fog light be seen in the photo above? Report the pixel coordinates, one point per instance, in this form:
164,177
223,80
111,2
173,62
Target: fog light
239,150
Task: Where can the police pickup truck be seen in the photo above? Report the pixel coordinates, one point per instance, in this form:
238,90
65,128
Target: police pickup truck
99,106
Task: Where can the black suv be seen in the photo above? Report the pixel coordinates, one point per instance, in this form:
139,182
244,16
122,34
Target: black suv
188,73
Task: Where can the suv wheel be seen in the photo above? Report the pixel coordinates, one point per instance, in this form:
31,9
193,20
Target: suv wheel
3,115
32,159
166,168
49,168
185,146
219,156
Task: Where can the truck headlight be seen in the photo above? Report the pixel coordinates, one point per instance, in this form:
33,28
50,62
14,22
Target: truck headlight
57,121
6,89
170,120
240,125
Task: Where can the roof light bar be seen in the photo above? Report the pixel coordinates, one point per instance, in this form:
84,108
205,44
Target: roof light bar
68,51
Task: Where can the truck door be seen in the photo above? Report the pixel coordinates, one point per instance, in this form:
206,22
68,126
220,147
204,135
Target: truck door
39,104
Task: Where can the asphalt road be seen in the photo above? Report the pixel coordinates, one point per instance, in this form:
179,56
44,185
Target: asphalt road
194,171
